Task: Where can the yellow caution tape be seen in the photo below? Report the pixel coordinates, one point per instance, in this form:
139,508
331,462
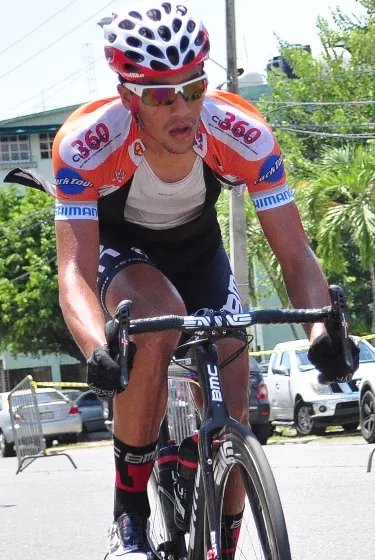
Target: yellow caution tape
259,353
59,384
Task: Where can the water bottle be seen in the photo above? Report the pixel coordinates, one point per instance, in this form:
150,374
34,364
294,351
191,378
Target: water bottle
167,468
187,462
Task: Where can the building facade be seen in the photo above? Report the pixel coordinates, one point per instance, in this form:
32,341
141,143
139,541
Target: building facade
27,142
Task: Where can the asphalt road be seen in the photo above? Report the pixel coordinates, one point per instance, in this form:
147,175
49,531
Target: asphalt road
51,511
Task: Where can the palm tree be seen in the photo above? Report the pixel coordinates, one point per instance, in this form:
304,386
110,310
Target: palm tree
342,192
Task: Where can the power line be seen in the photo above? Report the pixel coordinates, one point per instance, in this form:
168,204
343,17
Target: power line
74,79
36,28
32,270
26,217
362,136
331,125
80,72
54,42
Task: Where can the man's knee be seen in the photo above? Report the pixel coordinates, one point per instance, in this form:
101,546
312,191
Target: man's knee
150,291
152,295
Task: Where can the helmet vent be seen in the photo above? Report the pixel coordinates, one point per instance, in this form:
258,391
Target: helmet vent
184,43
189,58
126,24
167,7
190,26
173,55
134,56
165,33
176,25
155,15
134,42
135,15
182,10
155,51
109,53
146,33
199,40
112,37
131,68
159,66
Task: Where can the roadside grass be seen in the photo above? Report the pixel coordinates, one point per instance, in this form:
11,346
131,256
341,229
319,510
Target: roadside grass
332,434
282,435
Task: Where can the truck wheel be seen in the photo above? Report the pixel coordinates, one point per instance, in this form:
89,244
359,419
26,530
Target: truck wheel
350,427
367,416
304,424
6,449
262,432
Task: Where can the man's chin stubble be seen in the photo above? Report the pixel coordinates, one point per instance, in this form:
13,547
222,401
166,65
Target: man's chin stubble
178,150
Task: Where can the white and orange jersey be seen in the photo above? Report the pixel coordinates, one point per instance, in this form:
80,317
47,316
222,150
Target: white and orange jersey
98,151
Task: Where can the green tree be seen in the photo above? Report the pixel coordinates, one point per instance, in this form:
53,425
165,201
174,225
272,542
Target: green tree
342,194
332,99
30,318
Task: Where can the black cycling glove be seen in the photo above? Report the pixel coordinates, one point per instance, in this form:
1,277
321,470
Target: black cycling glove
325,356
103,372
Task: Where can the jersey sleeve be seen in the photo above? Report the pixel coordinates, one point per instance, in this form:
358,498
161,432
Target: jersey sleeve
248,149
84,158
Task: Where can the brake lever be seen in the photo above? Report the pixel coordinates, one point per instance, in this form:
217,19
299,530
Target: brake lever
119,325
337,325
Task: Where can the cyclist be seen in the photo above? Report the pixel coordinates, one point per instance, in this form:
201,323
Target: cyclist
137,179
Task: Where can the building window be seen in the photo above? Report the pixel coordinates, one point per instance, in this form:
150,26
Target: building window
45,143
15,148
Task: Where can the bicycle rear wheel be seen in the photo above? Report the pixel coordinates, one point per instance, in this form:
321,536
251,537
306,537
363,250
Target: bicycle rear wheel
263,534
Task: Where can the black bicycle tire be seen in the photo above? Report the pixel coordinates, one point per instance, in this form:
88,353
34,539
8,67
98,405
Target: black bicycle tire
248,453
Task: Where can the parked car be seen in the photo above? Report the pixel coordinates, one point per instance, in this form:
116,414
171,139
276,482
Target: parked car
365,379
91,411
298,399
60,418
259,404
72,394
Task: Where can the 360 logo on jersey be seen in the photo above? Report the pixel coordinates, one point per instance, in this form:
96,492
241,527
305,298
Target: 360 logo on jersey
95,137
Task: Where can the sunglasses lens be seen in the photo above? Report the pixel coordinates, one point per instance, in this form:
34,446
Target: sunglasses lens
167,96
195,90
158,96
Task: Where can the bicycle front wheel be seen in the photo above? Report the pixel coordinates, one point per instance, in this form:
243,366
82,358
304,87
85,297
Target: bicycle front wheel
168,544
263,534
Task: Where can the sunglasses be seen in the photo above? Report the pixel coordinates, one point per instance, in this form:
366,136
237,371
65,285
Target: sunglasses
167,95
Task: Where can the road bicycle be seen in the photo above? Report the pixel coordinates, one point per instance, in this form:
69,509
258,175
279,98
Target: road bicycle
223,443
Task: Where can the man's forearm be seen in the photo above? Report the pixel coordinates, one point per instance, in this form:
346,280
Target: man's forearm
82,313
307,287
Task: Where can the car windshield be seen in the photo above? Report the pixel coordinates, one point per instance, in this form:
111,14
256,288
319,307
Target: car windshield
304,362
366,353
52,396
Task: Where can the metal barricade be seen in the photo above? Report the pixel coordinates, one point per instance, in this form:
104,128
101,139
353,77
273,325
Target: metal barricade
27,429
182,415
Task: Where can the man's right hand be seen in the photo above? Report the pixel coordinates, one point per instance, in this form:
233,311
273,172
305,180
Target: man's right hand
103,373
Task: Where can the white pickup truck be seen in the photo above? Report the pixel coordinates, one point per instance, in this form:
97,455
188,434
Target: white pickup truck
297,399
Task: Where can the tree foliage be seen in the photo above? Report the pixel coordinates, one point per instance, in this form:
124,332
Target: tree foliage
30,317
325,122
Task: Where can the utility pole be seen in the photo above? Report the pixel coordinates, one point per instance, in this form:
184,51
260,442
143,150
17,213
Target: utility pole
237,221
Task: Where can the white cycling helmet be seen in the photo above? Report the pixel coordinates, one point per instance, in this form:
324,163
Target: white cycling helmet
154,38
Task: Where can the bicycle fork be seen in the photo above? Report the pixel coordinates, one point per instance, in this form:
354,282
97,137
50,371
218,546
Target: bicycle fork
215,416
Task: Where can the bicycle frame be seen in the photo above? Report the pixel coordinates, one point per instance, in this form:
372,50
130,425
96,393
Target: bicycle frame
215,415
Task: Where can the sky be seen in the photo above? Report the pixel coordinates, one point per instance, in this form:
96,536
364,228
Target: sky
62,62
